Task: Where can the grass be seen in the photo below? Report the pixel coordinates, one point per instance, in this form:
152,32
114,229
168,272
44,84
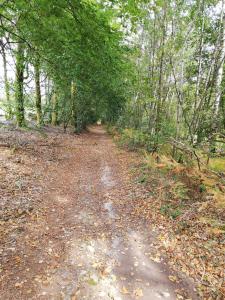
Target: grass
180,190
217,164
170,211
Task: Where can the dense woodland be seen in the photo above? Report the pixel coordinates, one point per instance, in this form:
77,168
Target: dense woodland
76,47
77,212
155,67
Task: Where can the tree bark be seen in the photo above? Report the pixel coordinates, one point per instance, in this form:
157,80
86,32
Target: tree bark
218,89
74,113
161,75
54,109
6,82
38,91
19,96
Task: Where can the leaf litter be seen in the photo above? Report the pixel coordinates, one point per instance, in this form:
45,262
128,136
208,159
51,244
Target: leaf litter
36,240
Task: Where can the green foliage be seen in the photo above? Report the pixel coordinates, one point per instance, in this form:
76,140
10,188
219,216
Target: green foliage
75,41
176,79
202,188
142,179
170,211
180,191
133,139
217,164
152,67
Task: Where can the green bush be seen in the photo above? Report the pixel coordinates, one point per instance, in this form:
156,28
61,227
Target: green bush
133,139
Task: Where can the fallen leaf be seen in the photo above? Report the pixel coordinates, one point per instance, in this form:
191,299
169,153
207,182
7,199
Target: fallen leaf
124,290
18,284
156,259
91,281
138,293
173,278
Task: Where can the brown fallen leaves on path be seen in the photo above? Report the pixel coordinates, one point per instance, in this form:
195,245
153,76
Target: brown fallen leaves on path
190,225
75,225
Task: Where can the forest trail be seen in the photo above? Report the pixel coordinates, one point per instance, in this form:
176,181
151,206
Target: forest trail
86,243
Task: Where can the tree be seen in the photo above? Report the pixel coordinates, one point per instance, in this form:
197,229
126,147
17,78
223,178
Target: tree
6,81
19,94
38,90
179,71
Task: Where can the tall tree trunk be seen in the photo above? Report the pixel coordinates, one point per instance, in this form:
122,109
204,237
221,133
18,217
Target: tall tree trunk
38,91
19,96
199,71
219,77
48,97
54,109
179,104
74,113
161,76
6,82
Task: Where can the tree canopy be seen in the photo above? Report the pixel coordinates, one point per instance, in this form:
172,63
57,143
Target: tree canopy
156,66
73,43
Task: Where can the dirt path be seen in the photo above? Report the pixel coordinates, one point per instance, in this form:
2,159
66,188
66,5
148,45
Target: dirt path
86,244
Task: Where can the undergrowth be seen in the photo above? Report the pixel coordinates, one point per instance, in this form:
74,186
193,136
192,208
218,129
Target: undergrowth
187,207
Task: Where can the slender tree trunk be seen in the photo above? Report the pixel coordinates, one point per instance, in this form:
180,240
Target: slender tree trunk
218,89
179,103
199,71
74,113
38,91
202,14
161,75
48,98
47,90
6,82
19,96
54,109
